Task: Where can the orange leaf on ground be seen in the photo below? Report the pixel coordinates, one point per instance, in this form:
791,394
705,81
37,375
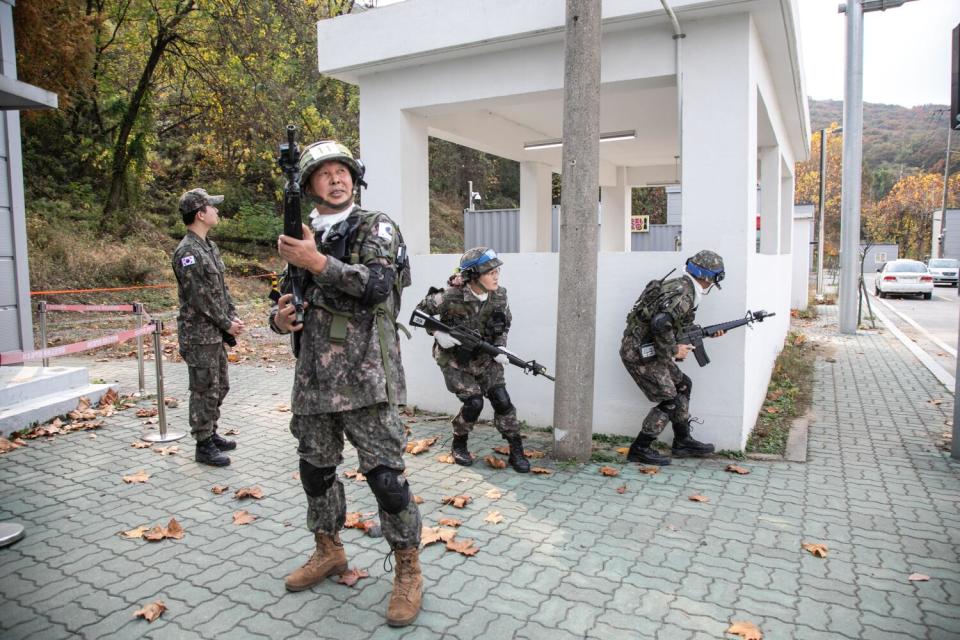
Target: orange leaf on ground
623,450
746,630
151,611
935,402
650,471
167,451
698,498
243,517
231,432
609,471
248,492
146,413
418,500
282,408
140,445
772,410
445,458
296,475
918,577
134,533
429,535
495,462
464,546
7,445
541,470
419,446
232,357
504,449
171,402
533,454
457,501
493,494
449,522
109,397
219,488
355,520
350,576
817,549
622,489
494,517
157,533
356,475
732,468
139,476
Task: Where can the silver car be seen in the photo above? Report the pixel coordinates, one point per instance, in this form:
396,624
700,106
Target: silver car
904,277
944,270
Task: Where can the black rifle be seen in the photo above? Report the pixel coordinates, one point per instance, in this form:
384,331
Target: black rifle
694,335
289,161
472,341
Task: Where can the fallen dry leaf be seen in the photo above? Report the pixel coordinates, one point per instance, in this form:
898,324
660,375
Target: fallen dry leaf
935,402
698,498
495,462
172,530
167,451
533,454
350,576
457,501
147,413
623,450
282,408
817,549
296,475
151,611
622,489
429,535
7,445
418,500
140,445
109,397
746,630
541,470
493,494
772,410
243,517
232,357
419,446
219,488
609,471
231,432
918,577
248,492
171,402
494,517
799,340
732,468
356,475
445,458
650,471
504,449
139,476
449,522
356,520
464,546
134,533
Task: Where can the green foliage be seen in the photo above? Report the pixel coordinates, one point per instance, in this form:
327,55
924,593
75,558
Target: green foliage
650,201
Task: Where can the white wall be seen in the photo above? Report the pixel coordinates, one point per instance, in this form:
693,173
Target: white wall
802,236
619,406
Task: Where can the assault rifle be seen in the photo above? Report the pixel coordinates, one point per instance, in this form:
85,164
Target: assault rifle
289,161
472,341
694,335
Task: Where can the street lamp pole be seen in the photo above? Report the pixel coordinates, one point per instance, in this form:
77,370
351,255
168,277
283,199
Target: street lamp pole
823,199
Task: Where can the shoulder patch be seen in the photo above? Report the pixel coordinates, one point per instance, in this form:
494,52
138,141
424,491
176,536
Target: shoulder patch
385,231
186,261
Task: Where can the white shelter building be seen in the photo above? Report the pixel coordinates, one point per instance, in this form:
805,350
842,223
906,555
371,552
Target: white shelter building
488,74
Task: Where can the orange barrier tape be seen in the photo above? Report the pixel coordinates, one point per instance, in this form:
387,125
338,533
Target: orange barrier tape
91,308
16,357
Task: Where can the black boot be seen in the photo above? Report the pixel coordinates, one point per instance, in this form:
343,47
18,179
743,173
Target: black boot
222,443
641,451
207,453
461,455
517,460
684,446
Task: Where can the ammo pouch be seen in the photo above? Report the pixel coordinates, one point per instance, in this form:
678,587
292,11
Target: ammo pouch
337,333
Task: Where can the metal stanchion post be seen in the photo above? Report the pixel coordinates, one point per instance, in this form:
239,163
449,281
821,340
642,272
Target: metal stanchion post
164,435
138,309
42,309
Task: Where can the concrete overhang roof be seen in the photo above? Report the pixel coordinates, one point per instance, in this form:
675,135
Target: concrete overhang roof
408,34
20,95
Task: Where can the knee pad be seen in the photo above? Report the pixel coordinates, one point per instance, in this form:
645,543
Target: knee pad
472,407
390,488
500,399
316,481
685,386
668,406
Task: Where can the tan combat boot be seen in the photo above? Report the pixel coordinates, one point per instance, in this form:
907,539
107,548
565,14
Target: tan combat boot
407,588
328,559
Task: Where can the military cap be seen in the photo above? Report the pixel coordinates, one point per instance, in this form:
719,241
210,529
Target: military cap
196,199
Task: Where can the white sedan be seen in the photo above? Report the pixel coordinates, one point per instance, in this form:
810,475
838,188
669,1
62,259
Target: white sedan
904,277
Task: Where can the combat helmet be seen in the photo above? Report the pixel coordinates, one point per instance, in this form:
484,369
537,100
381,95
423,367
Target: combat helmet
707,265
477,261
319,152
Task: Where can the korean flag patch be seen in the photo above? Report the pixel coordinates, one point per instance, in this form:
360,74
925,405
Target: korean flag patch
385,231
186,261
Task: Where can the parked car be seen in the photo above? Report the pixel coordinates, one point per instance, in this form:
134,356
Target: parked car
944,271
904,277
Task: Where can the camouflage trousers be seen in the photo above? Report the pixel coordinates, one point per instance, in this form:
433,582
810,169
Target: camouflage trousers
475,382
662,382
209,384
378,435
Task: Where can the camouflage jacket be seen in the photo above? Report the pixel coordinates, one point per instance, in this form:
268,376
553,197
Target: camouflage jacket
458,307
676,298
349,347
206,309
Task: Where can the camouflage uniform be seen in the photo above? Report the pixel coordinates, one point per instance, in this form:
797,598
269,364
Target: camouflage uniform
349,376
206,313
660,379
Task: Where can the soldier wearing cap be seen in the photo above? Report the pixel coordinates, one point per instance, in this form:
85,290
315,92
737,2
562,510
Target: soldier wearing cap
207,317
349,376
475,300
660,313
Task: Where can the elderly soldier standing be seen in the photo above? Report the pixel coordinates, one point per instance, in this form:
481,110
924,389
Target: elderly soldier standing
349,378
476,301
207,317
661,312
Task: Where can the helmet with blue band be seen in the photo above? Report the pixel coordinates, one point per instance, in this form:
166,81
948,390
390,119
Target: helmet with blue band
706,265
478,261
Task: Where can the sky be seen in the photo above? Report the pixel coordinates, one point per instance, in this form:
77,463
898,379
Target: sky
906,51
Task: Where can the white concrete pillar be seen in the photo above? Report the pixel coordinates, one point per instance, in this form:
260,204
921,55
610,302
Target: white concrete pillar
786,209
615,214
393,145
535,202
769,199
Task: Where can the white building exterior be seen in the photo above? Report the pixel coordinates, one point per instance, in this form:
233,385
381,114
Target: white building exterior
488,74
